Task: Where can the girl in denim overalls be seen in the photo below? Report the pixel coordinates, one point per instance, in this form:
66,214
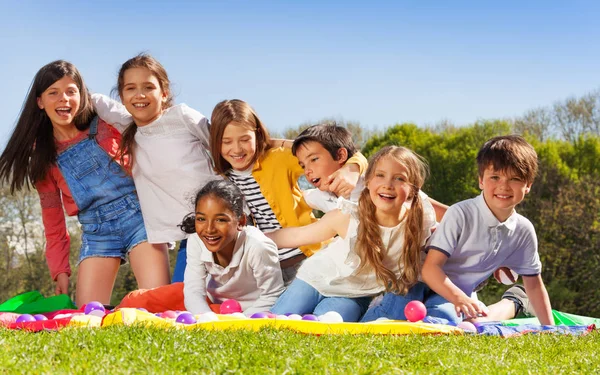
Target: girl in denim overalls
68,153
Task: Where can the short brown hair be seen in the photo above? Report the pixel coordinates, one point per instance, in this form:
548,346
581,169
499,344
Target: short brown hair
509,153
331,136
240,113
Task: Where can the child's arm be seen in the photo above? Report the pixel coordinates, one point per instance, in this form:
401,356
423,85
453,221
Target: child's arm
58,241
332,223
265,266
112,111
194,279
538,296
434,276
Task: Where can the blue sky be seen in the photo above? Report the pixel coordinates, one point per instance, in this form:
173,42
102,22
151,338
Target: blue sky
375,62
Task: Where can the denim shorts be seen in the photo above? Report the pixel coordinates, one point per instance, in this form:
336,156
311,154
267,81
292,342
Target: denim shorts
112,230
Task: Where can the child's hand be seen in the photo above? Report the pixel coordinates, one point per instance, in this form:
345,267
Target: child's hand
62,284
470,307
342,182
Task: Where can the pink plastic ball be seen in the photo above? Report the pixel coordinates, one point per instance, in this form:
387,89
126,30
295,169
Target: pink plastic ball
169,314
467,326
25,318
415,311
230,306
93,306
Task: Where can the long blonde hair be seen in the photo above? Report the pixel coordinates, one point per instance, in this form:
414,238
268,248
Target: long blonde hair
369,245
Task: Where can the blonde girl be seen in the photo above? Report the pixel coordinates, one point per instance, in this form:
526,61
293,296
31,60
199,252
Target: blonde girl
379,243
268,176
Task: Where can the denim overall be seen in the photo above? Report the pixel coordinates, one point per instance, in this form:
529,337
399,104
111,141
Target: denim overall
109,210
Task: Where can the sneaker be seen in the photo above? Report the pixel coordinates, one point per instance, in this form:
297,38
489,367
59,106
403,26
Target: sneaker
517,294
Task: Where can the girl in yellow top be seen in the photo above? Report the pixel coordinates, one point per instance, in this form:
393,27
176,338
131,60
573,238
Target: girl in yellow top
268,176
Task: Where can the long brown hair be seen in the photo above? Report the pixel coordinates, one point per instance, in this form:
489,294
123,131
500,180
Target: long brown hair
240,113
369,245
31,150
143,60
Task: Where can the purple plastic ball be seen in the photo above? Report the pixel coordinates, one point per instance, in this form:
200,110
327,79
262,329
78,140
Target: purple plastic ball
25,318
310,317
259,315
142,309
186,318
40,317
93,306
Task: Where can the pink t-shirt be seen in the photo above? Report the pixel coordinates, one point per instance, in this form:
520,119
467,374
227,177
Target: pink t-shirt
54,195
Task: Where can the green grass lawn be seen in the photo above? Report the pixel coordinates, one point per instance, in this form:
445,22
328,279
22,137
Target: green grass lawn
117,350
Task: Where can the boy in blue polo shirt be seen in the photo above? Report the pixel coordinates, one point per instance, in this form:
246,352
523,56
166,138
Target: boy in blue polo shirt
480,235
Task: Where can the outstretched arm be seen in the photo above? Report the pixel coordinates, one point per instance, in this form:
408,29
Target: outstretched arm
112,111
332,223
538,296
343,181
434,276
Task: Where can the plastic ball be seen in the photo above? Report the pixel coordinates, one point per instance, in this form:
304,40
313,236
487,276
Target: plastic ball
259,315
169,314
415,311
230,306
310,317
142,309
186,318
238,315
94,306
331,317
381,319
294,317
467,326
282,317
40,317
207,317
25,318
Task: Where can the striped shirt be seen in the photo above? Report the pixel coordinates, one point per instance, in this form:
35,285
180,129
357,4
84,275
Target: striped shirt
260,210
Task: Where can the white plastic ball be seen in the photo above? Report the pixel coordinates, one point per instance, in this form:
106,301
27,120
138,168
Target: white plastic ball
294,317
331,317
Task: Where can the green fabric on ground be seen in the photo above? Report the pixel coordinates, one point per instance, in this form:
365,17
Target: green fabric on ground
560,318
35,303
12,304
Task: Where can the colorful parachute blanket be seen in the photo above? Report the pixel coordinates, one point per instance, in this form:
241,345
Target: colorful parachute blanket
57,313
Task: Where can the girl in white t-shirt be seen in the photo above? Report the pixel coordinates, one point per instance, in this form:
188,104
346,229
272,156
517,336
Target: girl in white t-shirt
379,243
226,258
168,144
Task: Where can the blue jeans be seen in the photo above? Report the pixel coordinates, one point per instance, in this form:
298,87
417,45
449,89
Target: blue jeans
181,262
109,210
392,306
301,298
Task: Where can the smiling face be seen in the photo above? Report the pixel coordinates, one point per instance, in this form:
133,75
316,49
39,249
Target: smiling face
61,102
217,226
238,146
142,95
502,191
318,163
389,189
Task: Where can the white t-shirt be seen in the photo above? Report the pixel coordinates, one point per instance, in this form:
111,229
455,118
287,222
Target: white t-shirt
171,162
477,243
332,271
253,277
